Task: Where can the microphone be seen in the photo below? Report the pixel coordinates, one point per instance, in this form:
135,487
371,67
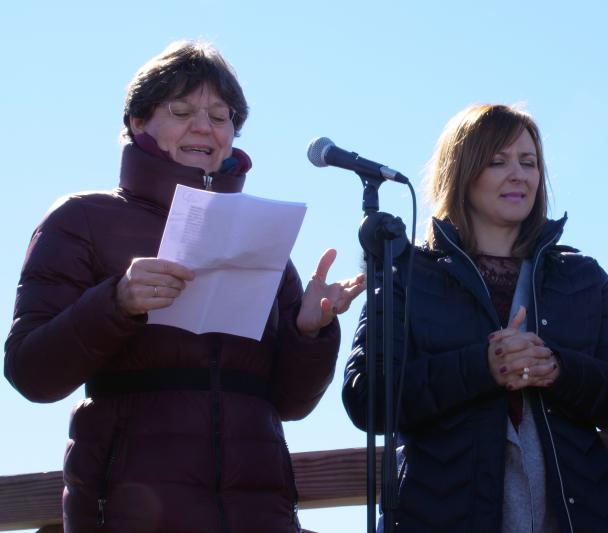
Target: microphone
322,152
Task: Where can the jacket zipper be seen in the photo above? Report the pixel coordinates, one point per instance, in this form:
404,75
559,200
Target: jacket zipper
483,282
207,180
101,515
103,493
216,412
402,467
296,497
542,402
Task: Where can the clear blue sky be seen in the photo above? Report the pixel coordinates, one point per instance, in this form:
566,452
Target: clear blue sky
380,78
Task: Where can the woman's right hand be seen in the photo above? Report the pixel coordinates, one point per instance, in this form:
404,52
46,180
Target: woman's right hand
151,283
520,359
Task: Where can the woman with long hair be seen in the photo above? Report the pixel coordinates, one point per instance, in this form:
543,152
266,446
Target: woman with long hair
506,375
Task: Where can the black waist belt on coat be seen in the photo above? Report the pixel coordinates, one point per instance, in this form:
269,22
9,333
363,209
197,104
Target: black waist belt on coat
174,379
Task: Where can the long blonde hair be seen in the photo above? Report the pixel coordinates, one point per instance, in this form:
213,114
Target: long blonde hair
465,148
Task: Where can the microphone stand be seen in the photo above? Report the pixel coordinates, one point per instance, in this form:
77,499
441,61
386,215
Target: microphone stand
382,238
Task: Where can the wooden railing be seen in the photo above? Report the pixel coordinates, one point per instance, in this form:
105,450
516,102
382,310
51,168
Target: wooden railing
329,478
324,478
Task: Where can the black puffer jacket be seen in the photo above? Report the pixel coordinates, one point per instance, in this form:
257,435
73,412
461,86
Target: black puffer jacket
453,415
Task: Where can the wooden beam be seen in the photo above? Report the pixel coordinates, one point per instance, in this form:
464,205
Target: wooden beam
30,501
333,478
325,479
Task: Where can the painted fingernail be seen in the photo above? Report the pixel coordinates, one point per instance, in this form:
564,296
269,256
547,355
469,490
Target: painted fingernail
503,369
498,351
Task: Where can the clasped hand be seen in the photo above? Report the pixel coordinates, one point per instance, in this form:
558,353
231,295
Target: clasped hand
520,359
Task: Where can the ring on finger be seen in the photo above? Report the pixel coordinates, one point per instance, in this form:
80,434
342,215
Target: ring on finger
526,373
155,291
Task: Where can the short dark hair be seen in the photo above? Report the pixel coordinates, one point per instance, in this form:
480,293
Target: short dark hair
465,148
178,70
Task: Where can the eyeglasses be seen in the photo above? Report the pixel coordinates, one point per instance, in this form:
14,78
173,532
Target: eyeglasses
219,116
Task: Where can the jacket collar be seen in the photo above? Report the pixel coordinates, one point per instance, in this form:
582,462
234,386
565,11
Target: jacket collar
451,257
445,237
154,179
447,240
550,233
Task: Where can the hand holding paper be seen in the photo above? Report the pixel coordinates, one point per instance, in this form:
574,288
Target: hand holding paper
237,245
151,283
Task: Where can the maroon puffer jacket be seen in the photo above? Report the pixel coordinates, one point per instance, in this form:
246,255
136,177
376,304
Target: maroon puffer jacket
205,455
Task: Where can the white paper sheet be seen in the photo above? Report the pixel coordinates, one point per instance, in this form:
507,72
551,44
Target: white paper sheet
238,246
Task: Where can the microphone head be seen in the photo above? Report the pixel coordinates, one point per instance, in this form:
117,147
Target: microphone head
317,149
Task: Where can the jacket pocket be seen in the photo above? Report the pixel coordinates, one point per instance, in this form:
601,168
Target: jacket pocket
116,447
292,485
570,313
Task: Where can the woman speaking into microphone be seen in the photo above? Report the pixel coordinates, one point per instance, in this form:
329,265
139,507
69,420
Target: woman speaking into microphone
179,432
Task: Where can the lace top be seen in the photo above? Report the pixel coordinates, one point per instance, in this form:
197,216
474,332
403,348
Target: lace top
500,275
